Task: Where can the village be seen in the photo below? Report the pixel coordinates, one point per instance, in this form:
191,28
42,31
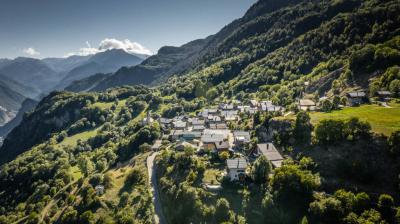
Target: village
209,131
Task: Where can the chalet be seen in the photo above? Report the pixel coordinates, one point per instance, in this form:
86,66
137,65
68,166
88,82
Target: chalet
179,125
236,169
384,95
241,137
190,135
214,119
198,128
209,140
218,126
271,153
196,121
230,115
306,105
222,132
356,98
225,106
165,123
156,146
175,135
222,146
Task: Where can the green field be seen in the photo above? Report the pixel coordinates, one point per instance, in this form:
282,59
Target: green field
383,120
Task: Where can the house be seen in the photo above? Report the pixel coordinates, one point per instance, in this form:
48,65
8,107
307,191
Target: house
271,153
230,115
236,169
356,98
209,140
222,146
190,135
165,123
384,95
218,126
213,132
306,105
175,135
99,189
179,125
225,106
156,146
214,119
196,121
241,137
198,128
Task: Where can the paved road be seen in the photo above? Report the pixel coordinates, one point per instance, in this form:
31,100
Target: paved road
158,216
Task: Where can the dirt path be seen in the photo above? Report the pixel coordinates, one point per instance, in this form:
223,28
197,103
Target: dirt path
158,216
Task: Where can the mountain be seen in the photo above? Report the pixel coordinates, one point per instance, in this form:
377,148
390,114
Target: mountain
167,60
65,64
26,106
12,94
31,72
87,84
103,62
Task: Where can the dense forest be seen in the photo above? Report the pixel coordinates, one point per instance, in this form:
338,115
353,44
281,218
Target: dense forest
81,157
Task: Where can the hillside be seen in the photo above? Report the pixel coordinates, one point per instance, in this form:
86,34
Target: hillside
225,157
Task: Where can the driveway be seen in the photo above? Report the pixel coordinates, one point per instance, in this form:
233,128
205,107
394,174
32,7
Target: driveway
158,216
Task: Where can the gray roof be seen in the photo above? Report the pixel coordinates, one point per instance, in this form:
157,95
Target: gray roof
195,134
165,120
198,127
212,138
245,134
179,124
222,145
306,102
238,163
356,94
269,151
384,93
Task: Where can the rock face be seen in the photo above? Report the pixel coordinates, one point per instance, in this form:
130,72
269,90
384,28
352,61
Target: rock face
27,106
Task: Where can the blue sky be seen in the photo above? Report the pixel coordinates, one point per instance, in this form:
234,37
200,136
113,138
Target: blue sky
55,28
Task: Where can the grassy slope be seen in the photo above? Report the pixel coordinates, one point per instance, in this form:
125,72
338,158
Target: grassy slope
383,120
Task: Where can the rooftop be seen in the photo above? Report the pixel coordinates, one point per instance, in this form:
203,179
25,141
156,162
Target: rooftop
306,102
269,151
356,94
238,163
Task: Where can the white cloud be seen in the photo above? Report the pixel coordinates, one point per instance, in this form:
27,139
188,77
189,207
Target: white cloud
111,43
31,51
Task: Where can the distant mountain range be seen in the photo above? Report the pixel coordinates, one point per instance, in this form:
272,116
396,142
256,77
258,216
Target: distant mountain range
28,78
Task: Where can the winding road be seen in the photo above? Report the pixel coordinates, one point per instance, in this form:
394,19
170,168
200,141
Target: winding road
158,216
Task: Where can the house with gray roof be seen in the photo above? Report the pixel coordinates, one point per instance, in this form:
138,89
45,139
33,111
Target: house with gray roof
271,153
356,98
236,169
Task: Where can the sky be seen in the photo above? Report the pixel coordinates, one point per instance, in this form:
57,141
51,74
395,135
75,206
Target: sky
59,28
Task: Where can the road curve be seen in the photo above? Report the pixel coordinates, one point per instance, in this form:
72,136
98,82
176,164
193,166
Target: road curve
158,215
